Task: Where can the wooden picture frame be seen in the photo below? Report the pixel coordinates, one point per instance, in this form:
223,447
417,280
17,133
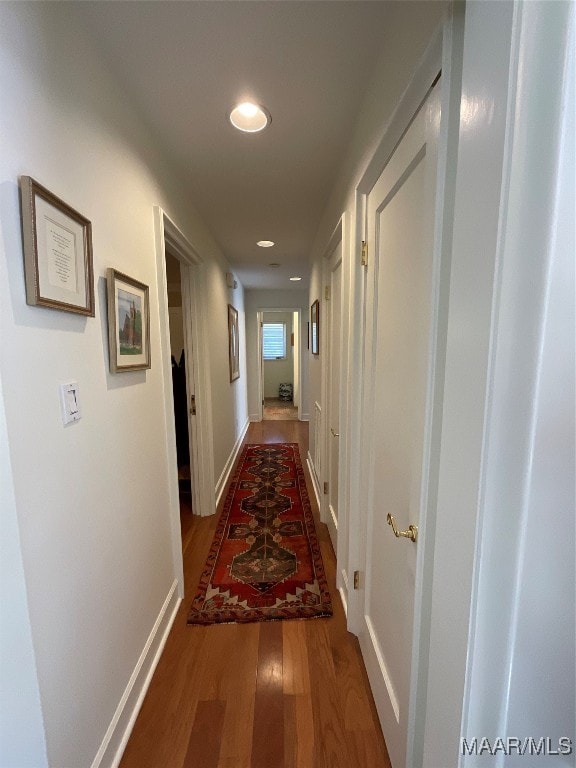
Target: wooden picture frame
128,323
233,343
57,242
315,328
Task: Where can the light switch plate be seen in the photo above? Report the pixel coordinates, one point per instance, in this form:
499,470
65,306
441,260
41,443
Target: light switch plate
70,402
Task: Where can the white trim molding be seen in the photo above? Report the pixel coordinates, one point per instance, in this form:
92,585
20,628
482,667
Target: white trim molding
202,460
313,477
118,733
229,466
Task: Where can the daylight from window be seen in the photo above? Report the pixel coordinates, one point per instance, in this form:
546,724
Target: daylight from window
274,341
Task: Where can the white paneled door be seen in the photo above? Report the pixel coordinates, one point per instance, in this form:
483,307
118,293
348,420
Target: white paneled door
399,356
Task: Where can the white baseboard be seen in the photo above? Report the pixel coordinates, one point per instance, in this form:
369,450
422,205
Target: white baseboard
118,733
383,691
342,587
225,476
305,417
254,417
334,519
343,599
314,478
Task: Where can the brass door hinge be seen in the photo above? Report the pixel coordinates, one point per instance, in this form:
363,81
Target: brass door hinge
327,293
364,259
325,488
356,579
192,405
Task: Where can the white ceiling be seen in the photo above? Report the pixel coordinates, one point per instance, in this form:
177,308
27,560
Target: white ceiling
185,64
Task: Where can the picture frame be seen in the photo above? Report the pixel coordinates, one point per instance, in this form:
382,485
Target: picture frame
128,323
315,328
57,244
233,343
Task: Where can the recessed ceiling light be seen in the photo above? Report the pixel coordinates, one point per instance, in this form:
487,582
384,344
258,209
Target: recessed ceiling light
249,117
274,265
265,243
295,279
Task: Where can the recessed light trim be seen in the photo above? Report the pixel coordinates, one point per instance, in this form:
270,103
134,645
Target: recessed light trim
250,118
295,279
265,243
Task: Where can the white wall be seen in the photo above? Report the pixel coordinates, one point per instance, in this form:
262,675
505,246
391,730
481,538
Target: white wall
296,326
524,652
22,738
257,300
482,655
277,371
479,176
543,654
229,399
315,361
404,41
90,498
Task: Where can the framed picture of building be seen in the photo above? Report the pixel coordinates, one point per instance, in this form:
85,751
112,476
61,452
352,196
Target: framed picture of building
128,323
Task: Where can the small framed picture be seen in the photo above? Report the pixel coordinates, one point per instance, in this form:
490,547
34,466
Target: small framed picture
233,343
57,244
128,323
315,328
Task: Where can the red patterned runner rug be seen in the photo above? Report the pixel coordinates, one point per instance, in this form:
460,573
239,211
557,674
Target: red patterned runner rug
265,560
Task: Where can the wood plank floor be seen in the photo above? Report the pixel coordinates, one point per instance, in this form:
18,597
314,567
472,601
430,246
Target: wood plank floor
286,694
279,410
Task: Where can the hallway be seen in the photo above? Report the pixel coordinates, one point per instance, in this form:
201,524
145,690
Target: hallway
288,694
409,201
277,410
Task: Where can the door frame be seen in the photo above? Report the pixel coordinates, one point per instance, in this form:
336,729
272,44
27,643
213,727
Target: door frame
439,49
340,235
442,55
330,518
393,706
298,350
168,235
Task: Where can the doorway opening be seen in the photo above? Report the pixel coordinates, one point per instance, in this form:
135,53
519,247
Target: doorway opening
186,278
279,354
180,389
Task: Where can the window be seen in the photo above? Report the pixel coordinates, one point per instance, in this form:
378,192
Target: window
274,341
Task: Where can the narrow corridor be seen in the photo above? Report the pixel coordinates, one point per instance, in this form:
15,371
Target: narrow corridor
286,694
